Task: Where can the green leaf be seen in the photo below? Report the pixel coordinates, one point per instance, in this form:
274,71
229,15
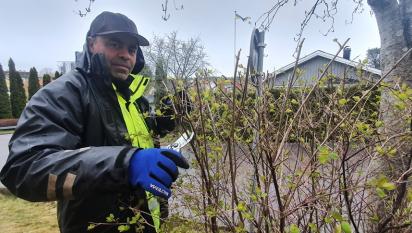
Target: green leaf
110,218
378,124
158,112
294,229
380,192
375,218
123,228
388,186
409,195
356,98
328,219
248,216
313,227
342,101
400,105
337,216
323,158
383,183
325,155
392,152
91,227
241,206
333,155
403,96
380,150
135,218
346,227
338,229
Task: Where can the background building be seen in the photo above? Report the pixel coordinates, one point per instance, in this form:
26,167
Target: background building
311,67
65,66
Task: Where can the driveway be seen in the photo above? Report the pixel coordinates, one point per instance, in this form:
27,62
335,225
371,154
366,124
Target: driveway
4,151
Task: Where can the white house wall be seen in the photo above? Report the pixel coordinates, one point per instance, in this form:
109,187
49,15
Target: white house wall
313,68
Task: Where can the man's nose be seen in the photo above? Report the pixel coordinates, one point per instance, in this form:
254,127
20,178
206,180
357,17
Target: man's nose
124,53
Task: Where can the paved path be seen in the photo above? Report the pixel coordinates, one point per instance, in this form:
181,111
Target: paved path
4,151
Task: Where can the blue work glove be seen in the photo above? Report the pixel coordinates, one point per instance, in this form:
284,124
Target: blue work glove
155,169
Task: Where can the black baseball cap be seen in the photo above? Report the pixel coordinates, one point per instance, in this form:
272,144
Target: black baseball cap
112,23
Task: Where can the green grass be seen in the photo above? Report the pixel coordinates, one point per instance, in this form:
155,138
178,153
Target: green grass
18,216
6,132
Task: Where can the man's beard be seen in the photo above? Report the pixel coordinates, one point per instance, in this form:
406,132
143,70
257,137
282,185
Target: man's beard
119,73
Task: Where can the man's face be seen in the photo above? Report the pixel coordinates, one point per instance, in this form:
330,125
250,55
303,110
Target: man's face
119,51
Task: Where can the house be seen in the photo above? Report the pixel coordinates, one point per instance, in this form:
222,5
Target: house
311,67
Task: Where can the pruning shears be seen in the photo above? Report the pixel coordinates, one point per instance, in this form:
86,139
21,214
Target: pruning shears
181,142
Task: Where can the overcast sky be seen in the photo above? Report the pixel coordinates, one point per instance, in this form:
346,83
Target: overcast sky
40,33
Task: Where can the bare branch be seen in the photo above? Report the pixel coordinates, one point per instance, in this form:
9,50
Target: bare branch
86,10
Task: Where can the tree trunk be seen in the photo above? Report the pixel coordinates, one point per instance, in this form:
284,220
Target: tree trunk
395,25
394,20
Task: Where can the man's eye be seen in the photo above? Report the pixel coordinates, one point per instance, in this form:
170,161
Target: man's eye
132,50
113,44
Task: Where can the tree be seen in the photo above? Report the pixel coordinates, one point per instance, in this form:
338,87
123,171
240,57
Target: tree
373,56
146,71
17,93
34,85
56,75
181,59
394,19
46,79
160,82
5,109
165,9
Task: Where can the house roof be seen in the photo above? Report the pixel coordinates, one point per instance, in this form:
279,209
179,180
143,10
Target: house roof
329,57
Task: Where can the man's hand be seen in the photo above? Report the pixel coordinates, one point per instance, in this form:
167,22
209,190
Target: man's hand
155,170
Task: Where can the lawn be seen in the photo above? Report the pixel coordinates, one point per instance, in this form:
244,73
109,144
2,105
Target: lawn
18,216
6,131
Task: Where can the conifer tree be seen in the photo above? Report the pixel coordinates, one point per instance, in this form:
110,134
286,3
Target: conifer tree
56,75
46,79
146,72
160,81
17,93
34,85
5,109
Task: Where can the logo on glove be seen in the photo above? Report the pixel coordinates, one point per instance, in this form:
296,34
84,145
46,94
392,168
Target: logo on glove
159,189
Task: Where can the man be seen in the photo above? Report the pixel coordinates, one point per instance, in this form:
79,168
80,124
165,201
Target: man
83,139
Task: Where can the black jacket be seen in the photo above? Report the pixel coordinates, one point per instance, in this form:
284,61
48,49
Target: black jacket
71,145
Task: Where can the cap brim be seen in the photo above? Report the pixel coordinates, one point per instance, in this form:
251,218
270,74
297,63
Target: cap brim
141,41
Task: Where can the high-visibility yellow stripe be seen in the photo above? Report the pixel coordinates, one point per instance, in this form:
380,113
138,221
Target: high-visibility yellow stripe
139,133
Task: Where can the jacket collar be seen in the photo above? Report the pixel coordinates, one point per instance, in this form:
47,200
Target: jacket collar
132,88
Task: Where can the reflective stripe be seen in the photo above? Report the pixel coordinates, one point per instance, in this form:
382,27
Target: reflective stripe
68,186
154,207
135,124
139,133
51,187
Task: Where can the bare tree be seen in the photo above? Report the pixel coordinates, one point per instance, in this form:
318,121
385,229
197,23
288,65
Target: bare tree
181,59
87,9
158,53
